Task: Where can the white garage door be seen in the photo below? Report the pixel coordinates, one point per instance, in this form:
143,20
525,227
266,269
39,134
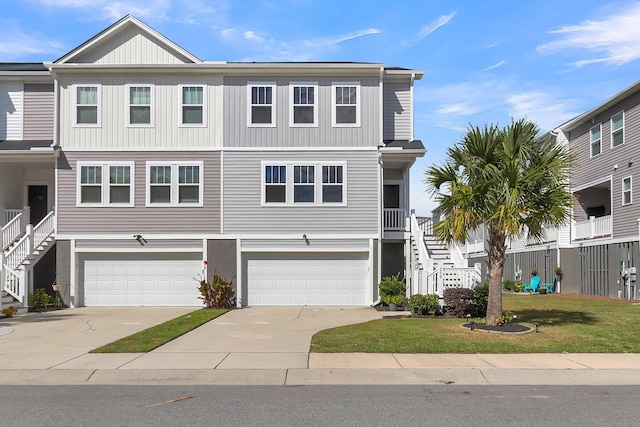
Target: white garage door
159,280
318,279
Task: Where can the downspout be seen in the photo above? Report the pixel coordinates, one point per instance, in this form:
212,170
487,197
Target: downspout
380,177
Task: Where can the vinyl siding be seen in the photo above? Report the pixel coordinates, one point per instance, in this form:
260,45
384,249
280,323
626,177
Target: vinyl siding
397,111
138,219
152,244
300,244
243,212
10,188
38,112
11,109
166,134
238,134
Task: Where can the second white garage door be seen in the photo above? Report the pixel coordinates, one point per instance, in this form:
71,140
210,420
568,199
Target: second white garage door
307,279
161,280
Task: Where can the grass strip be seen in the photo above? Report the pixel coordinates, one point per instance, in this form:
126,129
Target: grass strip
148,339
567,323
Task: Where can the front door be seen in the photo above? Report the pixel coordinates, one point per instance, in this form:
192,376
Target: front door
38,203
391,196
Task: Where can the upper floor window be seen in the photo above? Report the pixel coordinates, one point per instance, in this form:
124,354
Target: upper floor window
626,191
174,183
596,139
346,104
261,104
304,111
87,105
139,107
303,183
105,184
192,105
617,129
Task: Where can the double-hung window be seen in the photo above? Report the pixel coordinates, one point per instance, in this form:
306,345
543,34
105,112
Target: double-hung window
105,184
192,105
303,183
346,105
617,129
174,183
87,106
595,136
304,111
140,105
261,102
626,191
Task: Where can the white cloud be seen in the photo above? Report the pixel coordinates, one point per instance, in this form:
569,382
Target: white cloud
614,40
493,67
251,35
432,26
16,44
228,33
107,9
539,107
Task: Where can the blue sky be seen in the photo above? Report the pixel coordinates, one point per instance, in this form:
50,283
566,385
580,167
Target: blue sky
484,61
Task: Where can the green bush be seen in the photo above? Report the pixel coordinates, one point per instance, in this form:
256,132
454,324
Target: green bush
218,293
513,286
40,299
481,294
424,304
391,286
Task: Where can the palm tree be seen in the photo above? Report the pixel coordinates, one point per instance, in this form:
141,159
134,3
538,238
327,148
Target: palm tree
506,180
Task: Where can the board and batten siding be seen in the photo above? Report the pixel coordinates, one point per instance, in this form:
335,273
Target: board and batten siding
138,219
243,212
11,109
238,134
38,112
590,169
397,111
130,47
166,133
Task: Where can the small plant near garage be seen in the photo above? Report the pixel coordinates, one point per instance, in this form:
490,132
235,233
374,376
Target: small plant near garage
218,293
424,305
392,287
40,300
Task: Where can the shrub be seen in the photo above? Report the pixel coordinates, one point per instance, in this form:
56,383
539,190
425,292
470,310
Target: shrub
424,304
391,286
40,299
216,294
481,294
513,286
459,302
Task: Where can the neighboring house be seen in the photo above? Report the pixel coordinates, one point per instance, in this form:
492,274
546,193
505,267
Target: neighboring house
292,179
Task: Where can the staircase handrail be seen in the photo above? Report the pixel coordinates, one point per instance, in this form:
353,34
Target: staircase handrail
14,282
20,251
11,230
418,236
456,255
43,229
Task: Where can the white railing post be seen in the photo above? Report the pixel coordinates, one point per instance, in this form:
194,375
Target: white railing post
29,234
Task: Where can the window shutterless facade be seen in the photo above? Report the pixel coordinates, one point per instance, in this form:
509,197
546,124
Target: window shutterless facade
261,110
617,129
140,105
105,184
304,183
627,198
304,110
174,184
192,105
595,137
87,106
345,104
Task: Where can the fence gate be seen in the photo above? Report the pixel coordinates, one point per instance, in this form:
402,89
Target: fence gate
594,269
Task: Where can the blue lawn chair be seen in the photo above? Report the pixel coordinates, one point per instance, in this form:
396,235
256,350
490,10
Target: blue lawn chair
533,286
550,287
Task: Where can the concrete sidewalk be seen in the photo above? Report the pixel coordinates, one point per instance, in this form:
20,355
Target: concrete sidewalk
264,346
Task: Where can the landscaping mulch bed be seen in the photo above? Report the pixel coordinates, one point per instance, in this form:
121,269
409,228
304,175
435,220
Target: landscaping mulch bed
507,328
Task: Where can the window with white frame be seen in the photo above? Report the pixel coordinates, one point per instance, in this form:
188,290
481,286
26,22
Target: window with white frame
346,104
174,183
595,136
105,184
626,191
87,106
261,104
617,129
304,183
192,105
140,105
304,111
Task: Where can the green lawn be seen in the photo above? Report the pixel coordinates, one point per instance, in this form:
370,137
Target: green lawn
567,323
155,336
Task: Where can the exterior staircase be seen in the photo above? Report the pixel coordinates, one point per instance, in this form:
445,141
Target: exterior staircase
23,245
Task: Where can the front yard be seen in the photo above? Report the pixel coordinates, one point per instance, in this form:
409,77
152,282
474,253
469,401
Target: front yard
567,323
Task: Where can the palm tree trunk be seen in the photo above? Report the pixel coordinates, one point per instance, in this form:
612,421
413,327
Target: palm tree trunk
497,257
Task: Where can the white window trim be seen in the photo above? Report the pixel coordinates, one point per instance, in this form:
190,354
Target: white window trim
204,106
273,86
75,106
293,85
174,184
317,182
591,142
621,129
104,186
630,178
151,106
334,106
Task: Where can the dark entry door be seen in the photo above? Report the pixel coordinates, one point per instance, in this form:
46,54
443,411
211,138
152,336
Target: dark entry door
37,202
391,196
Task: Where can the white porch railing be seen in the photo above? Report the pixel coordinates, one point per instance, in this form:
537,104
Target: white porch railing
14,282
593,228
9,214
12,230
394,219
